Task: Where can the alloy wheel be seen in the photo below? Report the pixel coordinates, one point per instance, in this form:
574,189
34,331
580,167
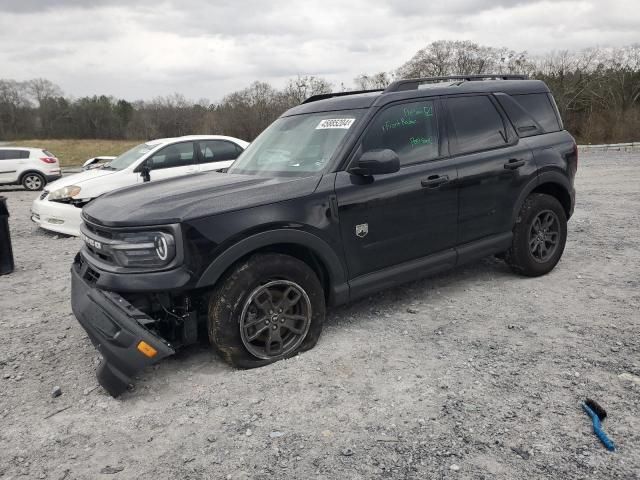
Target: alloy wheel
544,235
275,319
33,182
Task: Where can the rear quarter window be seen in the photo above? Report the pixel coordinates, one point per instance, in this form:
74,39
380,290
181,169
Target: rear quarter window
539,107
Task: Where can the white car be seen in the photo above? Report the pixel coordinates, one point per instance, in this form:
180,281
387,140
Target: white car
58,208
32,168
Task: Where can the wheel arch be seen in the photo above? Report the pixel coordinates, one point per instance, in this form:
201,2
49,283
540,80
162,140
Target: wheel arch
302,245
27,172
551,183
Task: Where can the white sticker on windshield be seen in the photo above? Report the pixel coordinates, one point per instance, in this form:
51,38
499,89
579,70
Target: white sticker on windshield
335,123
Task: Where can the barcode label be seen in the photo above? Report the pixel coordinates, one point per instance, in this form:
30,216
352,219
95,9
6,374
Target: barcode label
335,123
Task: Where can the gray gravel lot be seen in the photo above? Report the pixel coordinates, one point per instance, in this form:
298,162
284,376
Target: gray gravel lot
476,373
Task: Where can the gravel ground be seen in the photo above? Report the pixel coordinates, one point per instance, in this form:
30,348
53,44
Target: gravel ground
476,373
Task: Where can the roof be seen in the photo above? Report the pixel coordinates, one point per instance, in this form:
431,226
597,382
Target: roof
158,141
379,98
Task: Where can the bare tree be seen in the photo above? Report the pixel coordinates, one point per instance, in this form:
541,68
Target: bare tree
374,81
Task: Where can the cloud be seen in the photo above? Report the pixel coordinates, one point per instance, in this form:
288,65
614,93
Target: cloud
207,49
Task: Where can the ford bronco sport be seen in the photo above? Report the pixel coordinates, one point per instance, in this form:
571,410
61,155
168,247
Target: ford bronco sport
343,195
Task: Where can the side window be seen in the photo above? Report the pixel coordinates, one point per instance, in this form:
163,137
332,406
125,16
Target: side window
218,151
177,155
409,129
25,154
476,123
539,107
10,154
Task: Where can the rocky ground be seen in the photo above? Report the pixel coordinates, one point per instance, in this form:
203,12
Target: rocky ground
476,373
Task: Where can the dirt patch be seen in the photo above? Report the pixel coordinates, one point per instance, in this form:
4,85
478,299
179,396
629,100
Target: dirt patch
476,373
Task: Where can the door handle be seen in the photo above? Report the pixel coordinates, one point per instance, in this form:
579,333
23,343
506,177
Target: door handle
513,164
434,181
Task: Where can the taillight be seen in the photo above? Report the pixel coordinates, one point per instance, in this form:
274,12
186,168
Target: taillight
572,160
49,159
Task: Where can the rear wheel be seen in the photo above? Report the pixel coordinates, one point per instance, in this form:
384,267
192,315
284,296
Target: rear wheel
539,236
269,307
33,181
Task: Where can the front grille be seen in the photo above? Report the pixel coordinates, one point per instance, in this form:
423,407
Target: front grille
98,237
44,194
99,231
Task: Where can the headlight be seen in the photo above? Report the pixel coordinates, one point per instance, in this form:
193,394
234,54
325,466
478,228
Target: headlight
144,249
64,193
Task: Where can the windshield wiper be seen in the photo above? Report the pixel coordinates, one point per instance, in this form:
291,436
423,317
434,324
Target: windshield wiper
108,167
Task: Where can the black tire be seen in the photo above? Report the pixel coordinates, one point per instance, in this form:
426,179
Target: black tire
532,252
230,323
33,181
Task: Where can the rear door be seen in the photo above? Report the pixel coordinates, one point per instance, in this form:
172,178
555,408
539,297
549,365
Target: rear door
12,162
174,160
493,165
216,154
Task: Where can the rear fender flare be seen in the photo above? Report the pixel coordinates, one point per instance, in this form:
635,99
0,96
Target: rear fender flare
544,177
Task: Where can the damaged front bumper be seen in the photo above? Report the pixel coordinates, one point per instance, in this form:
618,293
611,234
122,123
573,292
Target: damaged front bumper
117,330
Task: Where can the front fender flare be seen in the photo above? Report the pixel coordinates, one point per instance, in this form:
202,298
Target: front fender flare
337,277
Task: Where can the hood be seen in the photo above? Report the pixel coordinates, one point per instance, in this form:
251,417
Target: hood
193,196
78,178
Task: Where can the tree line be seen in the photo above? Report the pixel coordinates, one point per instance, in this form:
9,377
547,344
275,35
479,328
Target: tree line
597,91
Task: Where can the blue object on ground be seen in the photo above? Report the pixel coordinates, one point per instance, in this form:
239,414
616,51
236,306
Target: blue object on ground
597,428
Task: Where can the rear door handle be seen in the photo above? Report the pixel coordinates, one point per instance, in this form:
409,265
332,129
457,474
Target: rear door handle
513,164
434,181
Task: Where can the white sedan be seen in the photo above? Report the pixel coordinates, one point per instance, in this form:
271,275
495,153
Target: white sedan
58,208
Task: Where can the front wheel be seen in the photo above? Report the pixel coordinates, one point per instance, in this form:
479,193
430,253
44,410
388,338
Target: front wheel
33,181
539,236
268,307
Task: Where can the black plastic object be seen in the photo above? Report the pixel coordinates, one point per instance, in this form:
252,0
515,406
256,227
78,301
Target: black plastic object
6,252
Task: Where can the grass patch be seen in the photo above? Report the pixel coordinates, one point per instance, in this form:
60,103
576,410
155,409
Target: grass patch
75,152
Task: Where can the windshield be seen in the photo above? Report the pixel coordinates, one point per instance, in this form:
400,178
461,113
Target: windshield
296,146
129,157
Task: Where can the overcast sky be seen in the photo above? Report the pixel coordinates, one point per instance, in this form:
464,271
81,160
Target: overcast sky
207,48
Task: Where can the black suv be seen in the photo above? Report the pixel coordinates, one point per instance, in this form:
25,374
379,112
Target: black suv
344,195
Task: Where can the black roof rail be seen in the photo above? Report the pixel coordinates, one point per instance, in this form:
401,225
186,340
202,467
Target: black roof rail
323,96
414,83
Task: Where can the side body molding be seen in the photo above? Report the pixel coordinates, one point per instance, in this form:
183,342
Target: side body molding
338,280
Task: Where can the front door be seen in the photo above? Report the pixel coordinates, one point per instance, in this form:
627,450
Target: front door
173,161
388,220
11,164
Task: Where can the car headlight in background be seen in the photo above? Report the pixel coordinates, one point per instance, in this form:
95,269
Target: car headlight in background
64,193
144,249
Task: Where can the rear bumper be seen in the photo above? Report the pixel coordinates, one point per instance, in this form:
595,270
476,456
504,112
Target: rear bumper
57,217
53,177
116,329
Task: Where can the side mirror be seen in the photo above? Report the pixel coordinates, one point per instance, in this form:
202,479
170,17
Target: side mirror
376,162
145,171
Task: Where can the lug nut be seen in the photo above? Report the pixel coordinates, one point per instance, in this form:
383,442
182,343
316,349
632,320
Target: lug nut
275,327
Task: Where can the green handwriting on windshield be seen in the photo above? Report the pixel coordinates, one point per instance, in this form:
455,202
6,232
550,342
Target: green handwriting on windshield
409,118
403,122
413,141
425,111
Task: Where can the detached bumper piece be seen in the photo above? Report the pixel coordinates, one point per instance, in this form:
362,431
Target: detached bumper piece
116,329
